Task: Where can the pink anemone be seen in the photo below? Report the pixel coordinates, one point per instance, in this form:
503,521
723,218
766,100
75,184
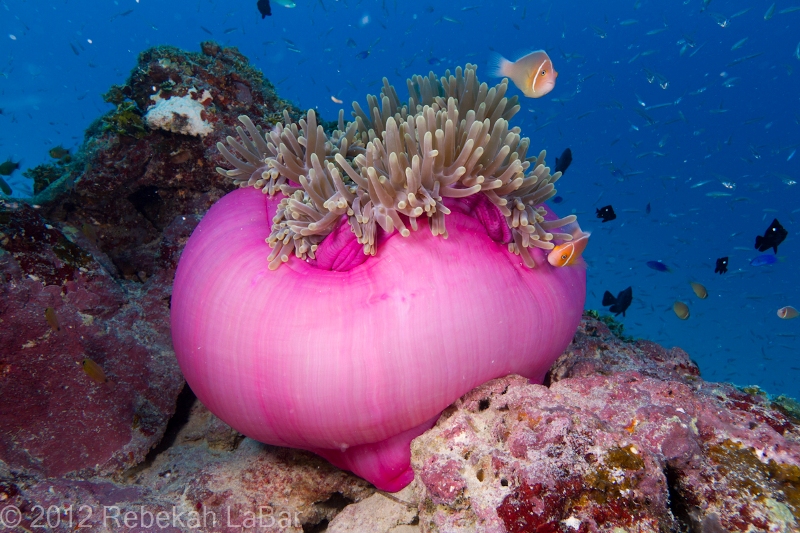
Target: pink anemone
351,356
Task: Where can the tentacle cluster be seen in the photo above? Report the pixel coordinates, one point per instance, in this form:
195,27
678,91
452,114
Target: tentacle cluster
397,162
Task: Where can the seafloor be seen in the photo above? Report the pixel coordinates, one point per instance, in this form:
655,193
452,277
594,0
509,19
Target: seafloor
97,426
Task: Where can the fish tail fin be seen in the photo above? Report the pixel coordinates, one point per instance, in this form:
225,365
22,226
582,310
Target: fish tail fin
759,238
499,66
608,298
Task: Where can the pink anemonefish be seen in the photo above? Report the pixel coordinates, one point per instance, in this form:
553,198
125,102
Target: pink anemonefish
533,74
567,253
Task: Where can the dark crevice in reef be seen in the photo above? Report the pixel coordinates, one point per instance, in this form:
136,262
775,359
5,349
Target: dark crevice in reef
183,407
335,503
147,201
327,509
319,527
678,505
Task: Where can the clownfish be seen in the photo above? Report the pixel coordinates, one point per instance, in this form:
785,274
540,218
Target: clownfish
533,74
567,253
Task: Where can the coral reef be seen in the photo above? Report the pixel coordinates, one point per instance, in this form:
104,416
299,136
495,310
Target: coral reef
62,304
125,120
87,266
208,479
622,435
130,182
45,174
626,437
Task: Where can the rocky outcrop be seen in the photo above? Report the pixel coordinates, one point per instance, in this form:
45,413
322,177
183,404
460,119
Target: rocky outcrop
625,437
86,361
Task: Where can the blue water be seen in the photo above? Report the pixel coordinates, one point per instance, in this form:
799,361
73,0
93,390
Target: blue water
734,126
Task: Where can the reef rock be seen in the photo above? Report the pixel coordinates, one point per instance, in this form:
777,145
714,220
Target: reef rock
128,183
626,437
380,513
203,477
87,268
61,307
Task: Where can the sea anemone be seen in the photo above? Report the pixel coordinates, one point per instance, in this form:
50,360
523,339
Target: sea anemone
365,334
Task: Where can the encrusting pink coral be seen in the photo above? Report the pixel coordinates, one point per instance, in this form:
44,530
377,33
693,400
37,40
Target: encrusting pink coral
354,347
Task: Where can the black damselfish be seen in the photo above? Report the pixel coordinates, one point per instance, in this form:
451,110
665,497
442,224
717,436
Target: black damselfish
722,265
774,235
563,162
620,303
606,213
264,8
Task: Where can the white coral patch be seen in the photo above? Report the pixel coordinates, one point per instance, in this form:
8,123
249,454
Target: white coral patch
179,115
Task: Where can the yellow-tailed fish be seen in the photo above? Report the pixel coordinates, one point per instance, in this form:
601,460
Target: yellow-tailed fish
567,253
681,310
52,318
788,312
93,370
533,74
59,152
699,290
8,168
90,233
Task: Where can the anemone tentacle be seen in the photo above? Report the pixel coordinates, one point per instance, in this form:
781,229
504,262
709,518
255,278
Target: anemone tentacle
396,162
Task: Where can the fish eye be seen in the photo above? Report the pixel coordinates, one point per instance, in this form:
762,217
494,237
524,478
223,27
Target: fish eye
544,73
564,257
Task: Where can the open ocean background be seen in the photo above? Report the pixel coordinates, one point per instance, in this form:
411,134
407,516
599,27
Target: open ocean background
662,103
